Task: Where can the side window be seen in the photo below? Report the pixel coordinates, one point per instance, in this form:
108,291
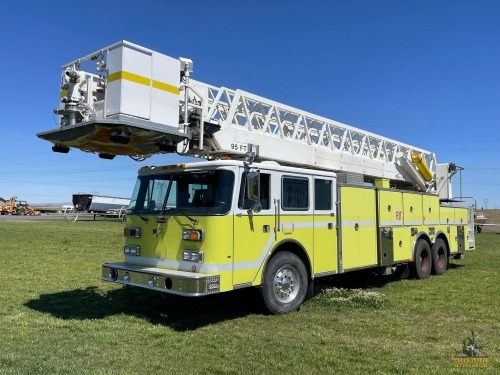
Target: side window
295,193
322,194
265,188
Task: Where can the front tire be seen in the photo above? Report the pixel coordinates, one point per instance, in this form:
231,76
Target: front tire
285,283
423,259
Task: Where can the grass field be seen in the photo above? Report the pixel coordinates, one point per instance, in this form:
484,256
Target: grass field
57,317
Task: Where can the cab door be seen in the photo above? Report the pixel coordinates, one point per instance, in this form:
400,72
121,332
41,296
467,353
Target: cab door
325,228
253,231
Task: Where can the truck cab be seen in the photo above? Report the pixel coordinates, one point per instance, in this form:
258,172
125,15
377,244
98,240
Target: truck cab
213,226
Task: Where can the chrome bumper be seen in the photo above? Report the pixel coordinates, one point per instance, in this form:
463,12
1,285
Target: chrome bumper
175,282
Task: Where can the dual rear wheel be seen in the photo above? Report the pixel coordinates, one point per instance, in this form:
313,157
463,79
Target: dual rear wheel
430,259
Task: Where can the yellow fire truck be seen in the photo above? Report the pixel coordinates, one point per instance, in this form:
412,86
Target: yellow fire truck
281,197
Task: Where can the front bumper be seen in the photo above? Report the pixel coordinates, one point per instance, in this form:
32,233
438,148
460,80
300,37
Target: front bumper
168,281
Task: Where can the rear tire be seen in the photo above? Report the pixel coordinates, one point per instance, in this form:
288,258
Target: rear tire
423,260
439,257
285,283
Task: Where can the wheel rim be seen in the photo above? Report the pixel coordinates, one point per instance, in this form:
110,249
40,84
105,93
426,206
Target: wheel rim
286,284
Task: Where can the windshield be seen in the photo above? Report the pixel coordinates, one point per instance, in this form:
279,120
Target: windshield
196,193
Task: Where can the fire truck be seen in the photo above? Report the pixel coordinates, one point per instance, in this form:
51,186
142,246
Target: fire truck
279,198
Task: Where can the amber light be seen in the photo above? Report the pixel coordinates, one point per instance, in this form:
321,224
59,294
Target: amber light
192,235
174,166
132,232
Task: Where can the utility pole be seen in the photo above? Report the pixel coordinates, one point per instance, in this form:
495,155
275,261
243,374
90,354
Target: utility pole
486,200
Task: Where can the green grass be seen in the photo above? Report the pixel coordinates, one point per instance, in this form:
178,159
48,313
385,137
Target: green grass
57,317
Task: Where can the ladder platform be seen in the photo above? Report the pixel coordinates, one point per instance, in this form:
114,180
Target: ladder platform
117,135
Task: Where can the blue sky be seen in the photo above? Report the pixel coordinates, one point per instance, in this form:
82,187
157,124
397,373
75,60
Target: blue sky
421,72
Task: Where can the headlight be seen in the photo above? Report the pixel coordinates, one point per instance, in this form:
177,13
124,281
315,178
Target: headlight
193,256
132,250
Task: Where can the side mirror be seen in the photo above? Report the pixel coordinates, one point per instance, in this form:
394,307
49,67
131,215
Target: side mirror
253,190
253,186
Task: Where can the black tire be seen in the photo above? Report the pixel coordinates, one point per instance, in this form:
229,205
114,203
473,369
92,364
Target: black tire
439,257
285,283
423,260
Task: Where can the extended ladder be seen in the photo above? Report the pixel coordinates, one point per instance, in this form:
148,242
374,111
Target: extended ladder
235,118
135,105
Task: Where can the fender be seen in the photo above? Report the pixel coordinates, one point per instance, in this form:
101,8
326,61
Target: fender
294,247
420,235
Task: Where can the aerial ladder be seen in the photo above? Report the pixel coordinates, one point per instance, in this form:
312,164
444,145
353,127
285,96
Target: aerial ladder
139,102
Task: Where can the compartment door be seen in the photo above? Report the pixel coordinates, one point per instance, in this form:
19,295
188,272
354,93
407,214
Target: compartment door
358,228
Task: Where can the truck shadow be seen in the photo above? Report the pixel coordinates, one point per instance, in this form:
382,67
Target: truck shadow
453,266
178,313
361,279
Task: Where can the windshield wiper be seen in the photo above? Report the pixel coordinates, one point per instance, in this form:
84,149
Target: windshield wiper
160,219
136,212
179,210
165,200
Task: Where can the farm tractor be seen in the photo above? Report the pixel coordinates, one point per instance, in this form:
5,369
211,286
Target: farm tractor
15,207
